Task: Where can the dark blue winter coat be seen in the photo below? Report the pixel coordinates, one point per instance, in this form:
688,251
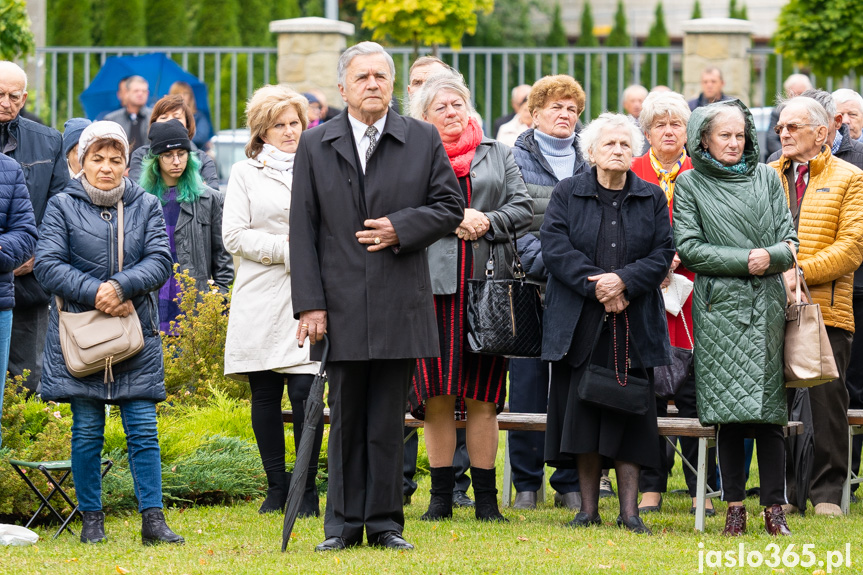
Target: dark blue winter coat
569,244
76,253
17,227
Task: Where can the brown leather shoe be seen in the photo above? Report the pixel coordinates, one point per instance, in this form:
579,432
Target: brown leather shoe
774,521
735,521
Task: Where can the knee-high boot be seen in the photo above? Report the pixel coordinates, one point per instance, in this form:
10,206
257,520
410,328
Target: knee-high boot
443,482
485,492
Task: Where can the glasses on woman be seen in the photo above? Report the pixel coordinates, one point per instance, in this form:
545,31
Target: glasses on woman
171,157
792,128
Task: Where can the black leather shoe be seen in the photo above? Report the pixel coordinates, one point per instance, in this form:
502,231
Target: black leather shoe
333,544
391,540
652,508
634,524
582,519
525,500
460,499
93,528
708,511
571,500
154,529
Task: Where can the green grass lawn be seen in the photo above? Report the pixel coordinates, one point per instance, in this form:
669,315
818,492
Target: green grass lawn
238,540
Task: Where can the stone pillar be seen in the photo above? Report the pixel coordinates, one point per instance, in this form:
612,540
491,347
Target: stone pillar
309,50
722,43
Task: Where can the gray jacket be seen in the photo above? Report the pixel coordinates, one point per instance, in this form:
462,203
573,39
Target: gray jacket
122,117
497,190
198,238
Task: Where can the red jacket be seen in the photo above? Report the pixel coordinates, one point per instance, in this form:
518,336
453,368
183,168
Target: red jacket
676,332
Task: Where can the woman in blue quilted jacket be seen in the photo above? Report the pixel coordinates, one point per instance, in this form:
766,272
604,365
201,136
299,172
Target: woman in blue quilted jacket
77,260
17,241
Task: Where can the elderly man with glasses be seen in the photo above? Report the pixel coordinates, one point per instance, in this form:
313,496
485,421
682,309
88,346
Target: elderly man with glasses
39,151
825,195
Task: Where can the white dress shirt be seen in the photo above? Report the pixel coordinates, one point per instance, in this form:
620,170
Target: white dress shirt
361,139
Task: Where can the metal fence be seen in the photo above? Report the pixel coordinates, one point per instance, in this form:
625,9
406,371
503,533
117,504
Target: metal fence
232,74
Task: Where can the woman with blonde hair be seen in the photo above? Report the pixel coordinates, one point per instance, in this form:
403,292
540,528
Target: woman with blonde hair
261,345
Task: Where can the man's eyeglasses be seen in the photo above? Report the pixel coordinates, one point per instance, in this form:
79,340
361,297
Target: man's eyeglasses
14,97
171,157
792,128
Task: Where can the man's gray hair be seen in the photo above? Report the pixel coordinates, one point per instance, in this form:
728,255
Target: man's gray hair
817,114
661,104
843,95
632,90
363,49
444,80
590,135
11,68
823,97
796,79
135,80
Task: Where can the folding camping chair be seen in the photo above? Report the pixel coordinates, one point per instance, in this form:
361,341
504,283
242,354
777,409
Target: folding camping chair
49,469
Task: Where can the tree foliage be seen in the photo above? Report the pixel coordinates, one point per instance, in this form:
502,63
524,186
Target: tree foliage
16,39
556,33
735,12
696,10
217,24
167,24
658,38
618,38
125,23
427,23
591,83
830,44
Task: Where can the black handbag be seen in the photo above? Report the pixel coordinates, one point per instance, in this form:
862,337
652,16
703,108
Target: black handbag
614,389
668,379
504,317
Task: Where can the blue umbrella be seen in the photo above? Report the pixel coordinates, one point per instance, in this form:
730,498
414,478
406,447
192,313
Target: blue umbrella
159,71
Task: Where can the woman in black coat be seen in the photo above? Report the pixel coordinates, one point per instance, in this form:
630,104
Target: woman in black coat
77,260
607,244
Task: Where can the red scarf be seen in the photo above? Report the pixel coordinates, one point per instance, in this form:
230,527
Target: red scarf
461,151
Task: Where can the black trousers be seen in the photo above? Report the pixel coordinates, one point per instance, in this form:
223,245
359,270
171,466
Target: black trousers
267,390
29,329
366,447
830,427
770,443
460,462
854,378
528,393
656,478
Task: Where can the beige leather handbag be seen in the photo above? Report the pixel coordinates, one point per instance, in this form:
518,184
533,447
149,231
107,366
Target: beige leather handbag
94,340
808,355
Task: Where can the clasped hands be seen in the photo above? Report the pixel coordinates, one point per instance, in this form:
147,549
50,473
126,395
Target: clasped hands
474,225
609,292
107,301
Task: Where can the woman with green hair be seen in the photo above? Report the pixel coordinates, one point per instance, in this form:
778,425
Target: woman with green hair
193,215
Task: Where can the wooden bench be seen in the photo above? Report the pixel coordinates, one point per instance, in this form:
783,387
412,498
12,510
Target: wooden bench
855,427
668,427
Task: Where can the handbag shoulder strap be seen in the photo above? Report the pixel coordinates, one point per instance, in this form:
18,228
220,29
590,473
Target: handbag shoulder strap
795,296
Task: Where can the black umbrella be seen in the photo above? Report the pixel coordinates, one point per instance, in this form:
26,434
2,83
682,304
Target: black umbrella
802,447
314,409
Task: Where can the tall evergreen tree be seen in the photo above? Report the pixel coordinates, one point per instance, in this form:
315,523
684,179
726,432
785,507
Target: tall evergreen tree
125,23
285,9
696,10
70,25
253,23
556,33
587,39
166,23
216,24
618,65
313,8
735,12
657,38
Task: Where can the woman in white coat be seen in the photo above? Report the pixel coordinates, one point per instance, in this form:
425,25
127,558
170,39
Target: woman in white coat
261,345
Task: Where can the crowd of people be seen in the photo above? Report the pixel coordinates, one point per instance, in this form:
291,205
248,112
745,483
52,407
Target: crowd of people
367,225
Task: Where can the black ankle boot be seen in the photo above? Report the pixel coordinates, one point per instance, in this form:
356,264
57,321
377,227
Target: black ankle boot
485,493
443,482
310,506
154,529
277,491
93,529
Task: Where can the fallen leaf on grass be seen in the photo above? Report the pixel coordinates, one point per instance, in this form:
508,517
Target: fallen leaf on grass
521,538
209,551
202,561
610,543
338,560
604,566
819,572
120,570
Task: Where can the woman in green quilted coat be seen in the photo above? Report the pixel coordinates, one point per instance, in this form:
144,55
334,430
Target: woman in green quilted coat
732,227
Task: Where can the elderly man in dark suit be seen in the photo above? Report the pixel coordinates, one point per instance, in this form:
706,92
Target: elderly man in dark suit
371,191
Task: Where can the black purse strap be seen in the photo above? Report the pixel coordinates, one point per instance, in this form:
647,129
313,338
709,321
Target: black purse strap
517,269
614,344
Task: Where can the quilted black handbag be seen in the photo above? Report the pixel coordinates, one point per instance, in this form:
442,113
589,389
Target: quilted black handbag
668,379
504,316
614,389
